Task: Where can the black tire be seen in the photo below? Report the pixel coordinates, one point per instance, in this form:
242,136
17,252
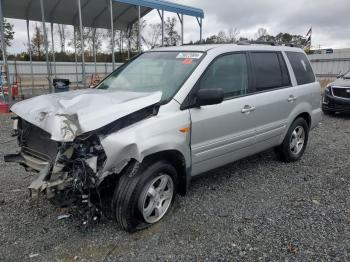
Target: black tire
284,153
125,202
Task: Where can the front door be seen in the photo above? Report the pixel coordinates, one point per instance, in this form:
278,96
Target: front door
220,132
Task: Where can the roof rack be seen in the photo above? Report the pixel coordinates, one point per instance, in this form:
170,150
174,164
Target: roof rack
247,42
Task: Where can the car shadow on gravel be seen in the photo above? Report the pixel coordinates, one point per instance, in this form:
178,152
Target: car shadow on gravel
341,116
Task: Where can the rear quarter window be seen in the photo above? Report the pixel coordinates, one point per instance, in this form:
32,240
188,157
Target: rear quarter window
301,66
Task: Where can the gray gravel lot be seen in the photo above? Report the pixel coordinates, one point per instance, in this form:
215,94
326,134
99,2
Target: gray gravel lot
254,209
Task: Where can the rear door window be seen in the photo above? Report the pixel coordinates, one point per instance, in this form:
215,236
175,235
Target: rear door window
301,67
269,70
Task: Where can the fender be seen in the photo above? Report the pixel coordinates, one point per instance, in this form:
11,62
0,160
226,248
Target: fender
300,108
149,136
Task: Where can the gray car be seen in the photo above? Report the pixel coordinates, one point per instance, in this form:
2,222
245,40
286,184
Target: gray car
137,139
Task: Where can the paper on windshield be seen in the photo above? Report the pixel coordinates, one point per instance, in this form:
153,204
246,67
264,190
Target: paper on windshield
189,55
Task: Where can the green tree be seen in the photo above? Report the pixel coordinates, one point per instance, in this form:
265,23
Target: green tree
8,34
281,38
222,37
172,37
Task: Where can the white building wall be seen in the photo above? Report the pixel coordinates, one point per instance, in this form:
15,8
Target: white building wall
330,65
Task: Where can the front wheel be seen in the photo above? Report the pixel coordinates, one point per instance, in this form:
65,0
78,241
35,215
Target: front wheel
145,197
294,144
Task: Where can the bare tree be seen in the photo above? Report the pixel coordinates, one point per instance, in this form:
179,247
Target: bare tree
93,39
222,37
87,36
62,32
261,33
154,35
132,35
233,34
118,37
37,42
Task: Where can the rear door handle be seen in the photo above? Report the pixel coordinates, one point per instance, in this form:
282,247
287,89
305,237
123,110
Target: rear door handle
291,99
247,109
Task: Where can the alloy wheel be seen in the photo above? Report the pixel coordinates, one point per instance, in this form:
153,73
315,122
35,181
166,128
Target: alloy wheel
156,198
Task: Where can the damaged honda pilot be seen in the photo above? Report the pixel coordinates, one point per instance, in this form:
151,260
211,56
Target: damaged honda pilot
165,116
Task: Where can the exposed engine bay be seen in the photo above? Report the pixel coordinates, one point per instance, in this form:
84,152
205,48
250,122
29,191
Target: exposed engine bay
71,173
67,171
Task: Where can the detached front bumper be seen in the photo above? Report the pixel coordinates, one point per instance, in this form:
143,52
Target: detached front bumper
28,161
335,104
42,183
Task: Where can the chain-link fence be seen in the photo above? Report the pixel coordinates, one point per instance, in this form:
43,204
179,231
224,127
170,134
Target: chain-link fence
37,83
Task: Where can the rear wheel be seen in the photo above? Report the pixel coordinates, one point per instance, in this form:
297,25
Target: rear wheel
295,142
144,198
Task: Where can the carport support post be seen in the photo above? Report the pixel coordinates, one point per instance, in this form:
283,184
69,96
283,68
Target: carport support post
53,51
162,27
139,29
30,56
201,29
161,15
4,54
46,45
112,35
181,18
82,43
127,34
75,55
129,42
122,44
200,23
94,49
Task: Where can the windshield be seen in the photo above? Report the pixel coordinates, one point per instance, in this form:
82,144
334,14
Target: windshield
154,71
347,75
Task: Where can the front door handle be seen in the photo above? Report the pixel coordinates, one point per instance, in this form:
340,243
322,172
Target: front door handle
291,99
247,109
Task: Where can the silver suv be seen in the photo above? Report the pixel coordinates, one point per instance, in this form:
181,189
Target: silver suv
137,139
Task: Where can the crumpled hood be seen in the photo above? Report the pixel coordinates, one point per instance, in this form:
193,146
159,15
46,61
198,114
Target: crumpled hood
69,114
341,82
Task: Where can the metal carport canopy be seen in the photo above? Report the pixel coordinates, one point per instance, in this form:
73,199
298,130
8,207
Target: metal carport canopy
95,12
107,14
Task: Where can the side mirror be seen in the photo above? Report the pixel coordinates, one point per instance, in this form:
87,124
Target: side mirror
206,97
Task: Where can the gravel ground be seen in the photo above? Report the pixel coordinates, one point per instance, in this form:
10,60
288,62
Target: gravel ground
254,209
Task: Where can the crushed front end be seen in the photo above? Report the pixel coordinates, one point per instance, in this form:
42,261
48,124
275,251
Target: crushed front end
68,171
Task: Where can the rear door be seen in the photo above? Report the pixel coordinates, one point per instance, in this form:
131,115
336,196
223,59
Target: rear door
274,96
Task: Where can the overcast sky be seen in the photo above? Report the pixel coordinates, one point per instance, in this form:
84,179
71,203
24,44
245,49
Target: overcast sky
328,18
